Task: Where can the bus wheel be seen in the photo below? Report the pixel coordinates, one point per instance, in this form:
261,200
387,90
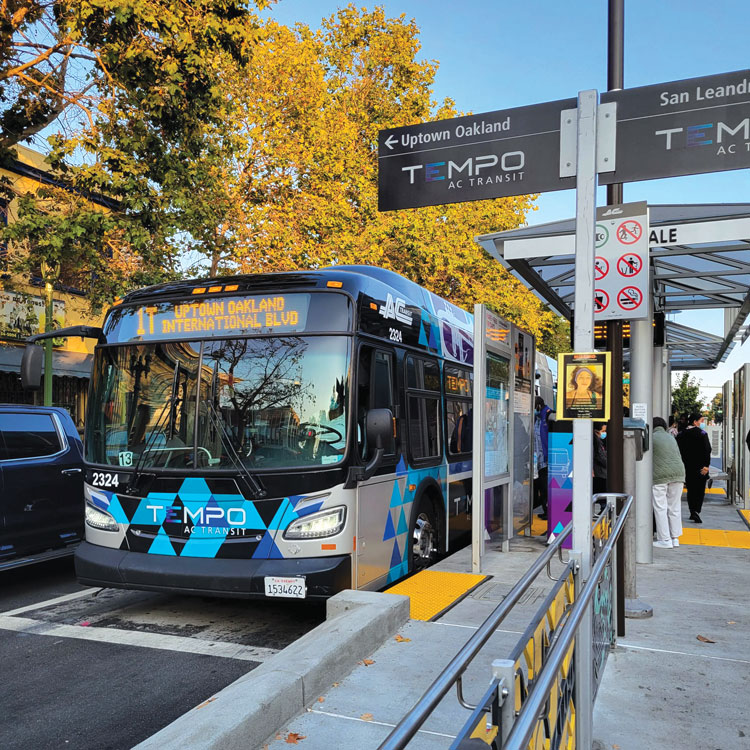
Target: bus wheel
424,536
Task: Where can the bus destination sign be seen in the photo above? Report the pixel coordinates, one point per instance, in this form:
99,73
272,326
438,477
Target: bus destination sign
222,316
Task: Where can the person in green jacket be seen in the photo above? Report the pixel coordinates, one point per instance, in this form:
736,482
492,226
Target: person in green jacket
669,476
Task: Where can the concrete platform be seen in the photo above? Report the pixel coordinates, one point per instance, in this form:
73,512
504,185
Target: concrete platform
662,686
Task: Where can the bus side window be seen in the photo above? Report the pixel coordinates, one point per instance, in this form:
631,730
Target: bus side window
374,391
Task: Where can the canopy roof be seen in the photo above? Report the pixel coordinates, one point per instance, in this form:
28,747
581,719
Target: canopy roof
708,268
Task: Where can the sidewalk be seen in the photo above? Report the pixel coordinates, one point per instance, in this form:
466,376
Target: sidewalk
663,687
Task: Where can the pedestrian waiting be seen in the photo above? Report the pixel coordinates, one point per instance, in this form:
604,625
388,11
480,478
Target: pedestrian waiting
668,478
695,449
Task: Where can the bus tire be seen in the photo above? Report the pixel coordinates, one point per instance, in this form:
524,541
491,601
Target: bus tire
424,535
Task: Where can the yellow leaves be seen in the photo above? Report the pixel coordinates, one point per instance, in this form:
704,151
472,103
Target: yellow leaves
366,717
293,738
400,639
703,639
367,662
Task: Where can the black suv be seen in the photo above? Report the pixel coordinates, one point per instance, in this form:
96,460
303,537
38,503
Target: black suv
41,484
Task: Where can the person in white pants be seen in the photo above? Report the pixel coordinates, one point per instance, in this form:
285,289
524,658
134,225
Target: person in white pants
668,479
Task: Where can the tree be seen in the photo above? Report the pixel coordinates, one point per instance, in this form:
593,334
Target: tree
304,192
685,396
716,409
132,90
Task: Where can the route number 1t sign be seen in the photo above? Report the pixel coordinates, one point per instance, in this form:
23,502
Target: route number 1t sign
621,266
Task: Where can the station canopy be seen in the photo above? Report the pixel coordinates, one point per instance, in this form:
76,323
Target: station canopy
699,256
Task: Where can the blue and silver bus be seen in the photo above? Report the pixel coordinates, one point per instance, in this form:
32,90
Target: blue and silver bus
277,435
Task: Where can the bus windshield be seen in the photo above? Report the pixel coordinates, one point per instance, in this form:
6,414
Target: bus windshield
268,403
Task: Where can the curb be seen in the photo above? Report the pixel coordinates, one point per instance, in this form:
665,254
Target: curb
244,714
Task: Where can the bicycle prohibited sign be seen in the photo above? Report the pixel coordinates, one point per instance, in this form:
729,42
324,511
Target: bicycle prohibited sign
601,300
629,298
629,264
629,232
601,268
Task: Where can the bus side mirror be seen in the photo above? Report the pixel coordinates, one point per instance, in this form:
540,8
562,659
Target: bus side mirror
378,428
31,367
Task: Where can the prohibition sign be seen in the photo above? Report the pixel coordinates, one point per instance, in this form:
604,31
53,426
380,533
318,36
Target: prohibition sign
601,300
601,268
629,232
629,298
629,264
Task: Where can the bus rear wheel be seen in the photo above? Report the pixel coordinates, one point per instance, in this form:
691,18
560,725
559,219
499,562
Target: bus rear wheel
424,536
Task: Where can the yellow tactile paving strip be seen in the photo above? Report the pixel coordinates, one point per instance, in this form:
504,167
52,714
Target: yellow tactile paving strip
433,591
716,538
538,527
715,491
745,516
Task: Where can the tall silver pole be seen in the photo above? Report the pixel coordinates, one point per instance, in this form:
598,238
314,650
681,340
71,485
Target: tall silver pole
477,437
641,390
583,439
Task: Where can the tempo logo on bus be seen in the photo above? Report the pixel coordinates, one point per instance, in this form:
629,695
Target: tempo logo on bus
201,516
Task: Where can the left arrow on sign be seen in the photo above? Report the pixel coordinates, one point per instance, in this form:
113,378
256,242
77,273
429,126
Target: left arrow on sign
391,141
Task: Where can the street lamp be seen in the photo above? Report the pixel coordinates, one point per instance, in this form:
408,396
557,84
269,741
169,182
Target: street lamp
50,274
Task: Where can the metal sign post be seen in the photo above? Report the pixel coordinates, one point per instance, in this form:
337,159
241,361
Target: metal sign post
583,340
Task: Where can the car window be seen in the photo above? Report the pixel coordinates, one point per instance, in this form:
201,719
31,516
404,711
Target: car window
29,435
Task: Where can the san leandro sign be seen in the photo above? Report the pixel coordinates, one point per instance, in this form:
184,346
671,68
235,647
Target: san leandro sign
665,130
476,157
683,127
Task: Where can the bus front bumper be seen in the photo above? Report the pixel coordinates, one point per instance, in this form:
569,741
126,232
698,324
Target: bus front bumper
115,568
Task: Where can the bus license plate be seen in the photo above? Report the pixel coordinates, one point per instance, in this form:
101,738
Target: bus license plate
292,588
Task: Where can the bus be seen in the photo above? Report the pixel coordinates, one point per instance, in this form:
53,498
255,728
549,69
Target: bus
275,435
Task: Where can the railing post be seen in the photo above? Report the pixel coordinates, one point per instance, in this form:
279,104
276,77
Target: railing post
505,670
612,510
583,664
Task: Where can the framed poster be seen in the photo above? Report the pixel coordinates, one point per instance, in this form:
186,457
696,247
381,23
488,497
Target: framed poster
583,389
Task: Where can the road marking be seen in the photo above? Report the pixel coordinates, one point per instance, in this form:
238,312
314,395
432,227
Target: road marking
51,602
137,638
682,653
379,723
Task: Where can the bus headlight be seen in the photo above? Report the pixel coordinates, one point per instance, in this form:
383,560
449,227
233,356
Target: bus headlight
98,519
316,525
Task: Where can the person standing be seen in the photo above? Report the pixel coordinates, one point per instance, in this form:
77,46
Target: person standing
541,447
600,461
668,478
695,450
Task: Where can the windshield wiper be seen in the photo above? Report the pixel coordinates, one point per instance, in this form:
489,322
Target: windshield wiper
166,412
254,485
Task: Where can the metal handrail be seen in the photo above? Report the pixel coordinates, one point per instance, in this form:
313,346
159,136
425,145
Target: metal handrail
523,726
409,725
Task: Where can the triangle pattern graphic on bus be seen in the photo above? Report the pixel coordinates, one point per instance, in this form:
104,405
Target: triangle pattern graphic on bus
423,328
267,549
402,528
395,555
396,498
161,545
434,340
390,532
401,468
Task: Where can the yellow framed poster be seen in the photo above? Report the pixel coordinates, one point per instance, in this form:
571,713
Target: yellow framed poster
583,385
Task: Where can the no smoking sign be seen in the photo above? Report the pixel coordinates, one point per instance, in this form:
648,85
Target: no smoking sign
630,298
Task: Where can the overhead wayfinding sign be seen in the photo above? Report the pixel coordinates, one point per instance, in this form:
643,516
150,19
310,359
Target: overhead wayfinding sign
491,155
683,127
621,264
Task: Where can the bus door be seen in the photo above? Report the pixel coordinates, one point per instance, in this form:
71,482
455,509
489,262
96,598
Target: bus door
375,538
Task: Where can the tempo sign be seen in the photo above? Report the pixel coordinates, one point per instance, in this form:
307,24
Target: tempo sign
491,155
682,127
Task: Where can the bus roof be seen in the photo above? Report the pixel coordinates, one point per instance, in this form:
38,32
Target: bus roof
376,282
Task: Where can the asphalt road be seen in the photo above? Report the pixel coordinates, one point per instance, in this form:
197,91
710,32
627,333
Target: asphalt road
104,668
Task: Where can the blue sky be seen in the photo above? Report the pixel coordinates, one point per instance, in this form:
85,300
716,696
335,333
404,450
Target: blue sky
495,54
